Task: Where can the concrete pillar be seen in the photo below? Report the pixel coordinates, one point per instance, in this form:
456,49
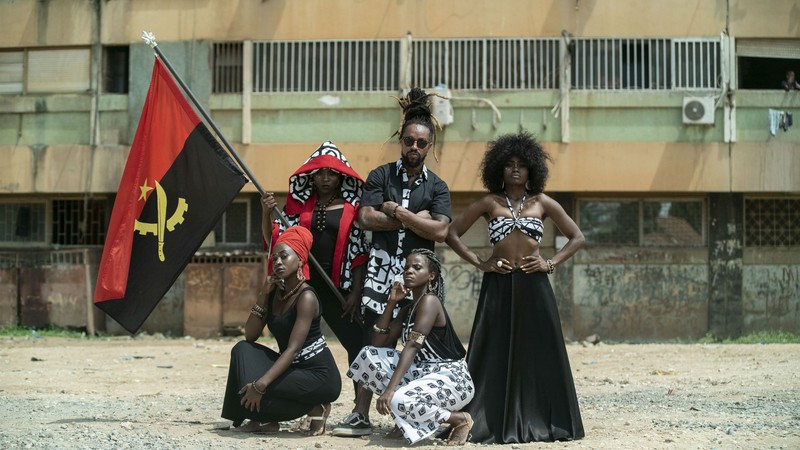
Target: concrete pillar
564,280
725,242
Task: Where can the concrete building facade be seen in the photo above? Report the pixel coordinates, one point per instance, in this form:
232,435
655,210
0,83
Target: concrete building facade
666,121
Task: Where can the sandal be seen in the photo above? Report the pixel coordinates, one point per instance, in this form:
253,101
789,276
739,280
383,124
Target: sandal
396,433
319,430
459,434
253,426
301,425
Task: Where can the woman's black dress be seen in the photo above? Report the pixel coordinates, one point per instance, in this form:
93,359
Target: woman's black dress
524,390
349,333
312,379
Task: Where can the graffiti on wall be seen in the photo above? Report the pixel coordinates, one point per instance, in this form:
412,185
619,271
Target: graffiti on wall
771,297
463,285
641,301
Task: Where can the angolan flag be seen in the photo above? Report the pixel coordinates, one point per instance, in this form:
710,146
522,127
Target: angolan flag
175,186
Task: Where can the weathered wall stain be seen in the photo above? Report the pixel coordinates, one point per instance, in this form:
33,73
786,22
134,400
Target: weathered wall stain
771,297
463,285
640,301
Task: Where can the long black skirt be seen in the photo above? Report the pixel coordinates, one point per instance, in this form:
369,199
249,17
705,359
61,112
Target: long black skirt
303,385
524,390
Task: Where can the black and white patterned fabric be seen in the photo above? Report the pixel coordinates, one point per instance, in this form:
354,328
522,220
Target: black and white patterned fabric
425,397
301,189
300,185
382,267
310,350
500,227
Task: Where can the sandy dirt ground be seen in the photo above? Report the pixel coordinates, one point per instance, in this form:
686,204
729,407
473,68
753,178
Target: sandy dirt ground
153,393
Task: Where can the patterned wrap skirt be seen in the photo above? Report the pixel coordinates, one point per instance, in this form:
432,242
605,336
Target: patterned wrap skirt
426,395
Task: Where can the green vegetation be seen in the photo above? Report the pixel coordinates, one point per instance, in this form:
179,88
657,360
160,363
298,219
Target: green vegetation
17,331
760,337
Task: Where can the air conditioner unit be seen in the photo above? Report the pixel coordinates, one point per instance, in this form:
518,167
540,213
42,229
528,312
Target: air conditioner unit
698,110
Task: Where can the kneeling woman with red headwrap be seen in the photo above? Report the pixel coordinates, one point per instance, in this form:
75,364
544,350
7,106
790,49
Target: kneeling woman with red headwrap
268,387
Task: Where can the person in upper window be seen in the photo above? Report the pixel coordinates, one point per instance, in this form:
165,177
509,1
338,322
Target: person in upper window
790,83
524,390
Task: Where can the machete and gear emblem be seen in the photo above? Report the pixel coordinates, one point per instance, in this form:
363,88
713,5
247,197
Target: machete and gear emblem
163,224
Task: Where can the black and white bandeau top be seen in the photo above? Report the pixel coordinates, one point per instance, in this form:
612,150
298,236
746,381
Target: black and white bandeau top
500,227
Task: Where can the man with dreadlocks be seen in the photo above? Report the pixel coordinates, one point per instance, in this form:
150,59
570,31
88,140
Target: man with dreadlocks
406,206
423,385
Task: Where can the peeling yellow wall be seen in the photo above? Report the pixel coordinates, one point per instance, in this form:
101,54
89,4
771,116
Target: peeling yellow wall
35,23
578,167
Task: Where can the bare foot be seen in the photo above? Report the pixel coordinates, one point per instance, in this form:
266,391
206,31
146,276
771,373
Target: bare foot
459,431
396,433
301,425
318,417
253,426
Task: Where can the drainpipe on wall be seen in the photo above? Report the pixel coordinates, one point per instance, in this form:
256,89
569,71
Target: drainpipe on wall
247,90
94,115
566,80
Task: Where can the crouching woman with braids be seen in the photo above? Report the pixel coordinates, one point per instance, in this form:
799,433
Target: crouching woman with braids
422,386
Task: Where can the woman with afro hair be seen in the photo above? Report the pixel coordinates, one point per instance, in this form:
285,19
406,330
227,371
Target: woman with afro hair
524,390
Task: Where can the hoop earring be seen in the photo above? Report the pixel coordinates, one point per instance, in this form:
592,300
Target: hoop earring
300,273
430,286
528,186
504,185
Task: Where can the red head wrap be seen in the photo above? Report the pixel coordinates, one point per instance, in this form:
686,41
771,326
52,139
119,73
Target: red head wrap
298,239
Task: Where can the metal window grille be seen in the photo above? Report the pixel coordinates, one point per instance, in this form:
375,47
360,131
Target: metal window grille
227,67
642,222
486,64
76,222
22,222
326,66
621,63
45,258
673,223
234,226
609,222
696,63
772,222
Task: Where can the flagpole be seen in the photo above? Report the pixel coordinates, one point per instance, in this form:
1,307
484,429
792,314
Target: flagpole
150,39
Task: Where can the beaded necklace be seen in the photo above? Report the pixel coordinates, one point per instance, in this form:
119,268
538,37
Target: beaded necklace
294,289
322,212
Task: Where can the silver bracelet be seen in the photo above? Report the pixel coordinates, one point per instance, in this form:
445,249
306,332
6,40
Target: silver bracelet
253,385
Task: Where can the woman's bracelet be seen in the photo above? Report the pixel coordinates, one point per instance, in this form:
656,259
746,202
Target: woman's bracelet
258,311
253,385
551,268
380,330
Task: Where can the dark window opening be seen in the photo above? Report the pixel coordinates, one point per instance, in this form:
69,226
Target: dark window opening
115,70
76,222
765,73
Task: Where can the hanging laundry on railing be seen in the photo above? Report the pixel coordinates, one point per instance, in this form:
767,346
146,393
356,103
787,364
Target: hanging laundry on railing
779,120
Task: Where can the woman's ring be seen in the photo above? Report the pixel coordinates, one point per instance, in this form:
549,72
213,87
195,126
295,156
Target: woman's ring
499,263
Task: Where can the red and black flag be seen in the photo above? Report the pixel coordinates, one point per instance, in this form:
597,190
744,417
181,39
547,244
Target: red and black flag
176,185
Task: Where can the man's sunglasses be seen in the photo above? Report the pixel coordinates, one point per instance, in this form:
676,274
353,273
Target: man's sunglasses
408,141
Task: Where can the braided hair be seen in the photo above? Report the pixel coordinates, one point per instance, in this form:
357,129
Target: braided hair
416,106
437,285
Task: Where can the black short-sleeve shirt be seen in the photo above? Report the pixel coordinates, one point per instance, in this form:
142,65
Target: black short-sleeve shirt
387,257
